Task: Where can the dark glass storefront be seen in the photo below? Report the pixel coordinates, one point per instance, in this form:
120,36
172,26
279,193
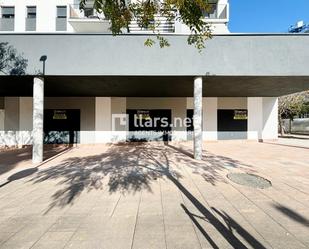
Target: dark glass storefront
149,125
61,126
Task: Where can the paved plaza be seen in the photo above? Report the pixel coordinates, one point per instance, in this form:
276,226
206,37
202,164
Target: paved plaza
154,195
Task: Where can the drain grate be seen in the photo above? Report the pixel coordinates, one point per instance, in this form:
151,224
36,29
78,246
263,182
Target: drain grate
249,180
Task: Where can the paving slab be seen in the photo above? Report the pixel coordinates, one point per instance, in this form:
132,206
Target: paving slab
151,195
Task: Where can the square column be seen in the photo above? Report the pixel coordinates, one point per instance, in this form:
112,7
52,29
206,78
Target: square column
263,118
197,120
38,117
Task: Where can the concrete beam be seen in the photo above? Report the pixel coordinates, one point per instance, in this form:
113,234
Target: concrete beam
38,117
198,109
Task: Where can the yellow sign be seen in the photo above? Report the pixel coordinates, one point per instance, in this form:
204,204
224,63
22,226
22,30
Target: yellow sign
240,115
60,114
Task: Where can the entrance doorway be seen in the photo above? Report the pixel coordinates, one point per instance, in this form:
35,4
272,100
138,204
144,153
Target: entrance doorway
61,126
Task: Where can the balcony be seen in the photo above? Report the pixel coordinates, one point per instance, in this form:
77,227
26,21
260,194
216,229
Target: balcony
219,13
87,20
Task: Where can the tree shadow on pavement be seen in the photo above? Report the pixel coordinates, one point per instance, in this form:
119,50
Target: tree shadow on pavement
11,158
132,168
128,168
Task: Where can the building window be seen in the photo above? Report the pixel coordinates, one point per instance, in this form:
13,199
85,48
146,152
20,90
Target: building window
7,12
61,19
7,18
31,18
61,11
31,12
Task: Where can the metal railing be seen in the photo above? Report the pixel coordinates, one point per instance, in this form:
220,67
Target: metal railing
159,24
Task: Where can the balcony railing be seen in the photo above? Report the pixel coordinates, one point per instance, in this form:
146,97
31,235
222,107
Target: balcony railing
219,11
160,24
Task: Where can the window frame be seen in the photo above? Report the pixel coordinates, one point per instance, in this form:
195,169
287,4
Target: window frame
8,16
59,7
31,16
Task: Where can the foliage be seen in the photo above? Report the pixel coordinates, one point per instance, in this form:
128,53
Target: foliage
190,12
11,62
292,105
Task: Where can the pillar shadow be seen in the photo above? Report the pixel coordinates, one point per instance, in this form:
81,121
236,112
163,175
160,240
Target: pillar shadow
292,214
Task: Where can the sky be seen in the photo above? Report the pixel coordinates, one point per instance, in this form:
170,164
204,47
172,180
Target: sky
266,16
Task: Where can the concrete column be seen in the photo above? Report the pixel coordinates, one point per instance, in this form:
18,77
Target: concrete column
263,118
198,109
38,117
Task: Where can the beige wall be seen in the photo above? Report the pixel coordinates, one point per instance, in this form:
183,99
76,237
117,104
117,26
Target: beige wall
25,113
119,105
2,119
11,119
232,103
1,102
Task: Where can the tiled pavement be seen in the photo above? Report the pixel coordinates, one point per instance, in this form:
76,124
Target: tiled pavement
156,196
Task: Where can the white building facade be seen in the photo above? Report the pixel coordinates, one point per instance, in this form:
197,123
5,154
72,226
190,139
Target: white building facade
65,16
81,83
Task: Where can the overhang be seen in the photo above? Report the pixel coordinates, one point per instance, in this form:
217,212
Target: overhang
104,65
156,86
125,55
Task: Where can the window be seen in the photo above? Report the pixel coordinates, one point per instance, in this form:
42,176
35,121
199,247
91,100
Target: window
31,12
61,11
89,12
7,12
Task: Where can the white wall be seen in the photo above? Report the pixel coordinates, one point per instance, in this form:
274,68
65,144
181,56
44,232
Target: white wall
103,122
118,106
263,118
255,118
270,118
46,13
210,126
46,16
